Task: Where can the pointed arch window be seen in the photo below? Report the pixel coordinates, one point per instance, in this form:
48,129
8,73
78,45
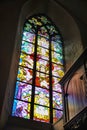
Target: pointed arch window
38,95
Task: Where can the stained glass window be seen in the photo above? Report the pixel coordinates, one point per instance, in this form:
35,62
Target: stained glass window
38,94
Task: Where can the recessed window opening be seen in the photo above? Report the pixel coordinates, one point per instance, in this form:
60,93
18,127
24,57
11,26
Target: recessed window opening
38,95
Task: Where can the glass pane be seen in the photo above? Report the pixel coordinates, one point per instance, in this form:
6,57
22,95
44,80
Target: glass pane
52,29
56,86
57,100
57,39
42,80
26,60
24,75
56,47
27,47
43,53
57,70
41,113
43,32
57,58
29,37
23,91
44,19
35,21
21,109
42,96
43,42
42,65
28,27
57,115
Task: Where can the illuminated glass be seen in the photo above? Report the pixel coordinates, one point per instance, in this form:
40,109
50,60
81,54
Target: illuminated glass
51,29
43,53
57,100
56,47
57,70
21,109
43,32
42,80
29,37
57,39
43,42
41,96
24,75
28,27
44,19
26,60
57,115
27,47
23,91
42,65
56,86
38,94
57,58
41,113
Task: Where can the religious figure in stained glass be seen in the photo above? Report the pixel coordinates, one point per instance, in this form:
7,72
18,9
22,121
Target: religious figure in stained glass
39,72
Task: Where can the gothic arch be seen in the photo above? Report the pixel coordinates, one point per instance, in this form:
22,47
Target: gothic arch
69,31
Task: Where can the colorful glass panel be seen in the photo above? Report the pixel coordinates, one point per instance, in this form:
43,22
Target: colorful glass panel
41,57
56,86
57,39
43,32
41,96
44,42
27,47
57,100
43,19
56,47
41,113
23,91
51,29
57,115
55,80
24,75
29,37
42,65
42,80
57,70
21,109
28,27
26,60
57,58
43,53
35,21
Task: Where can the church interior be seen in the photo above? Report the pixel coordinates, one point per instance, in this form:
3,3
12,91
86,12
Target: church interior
70,19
